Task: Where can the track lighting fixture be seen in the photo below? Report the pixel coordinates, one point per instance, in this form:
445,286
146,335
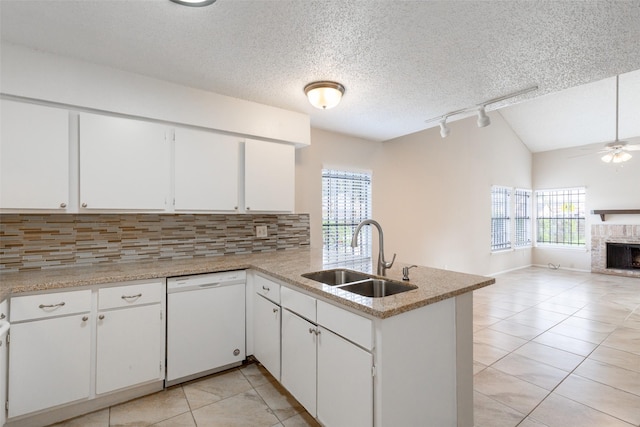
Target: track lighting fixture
444,129
483,119
479,109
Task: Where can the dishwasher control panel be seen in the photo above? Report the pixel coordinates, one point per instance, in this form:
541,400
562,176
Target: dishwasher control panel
177,284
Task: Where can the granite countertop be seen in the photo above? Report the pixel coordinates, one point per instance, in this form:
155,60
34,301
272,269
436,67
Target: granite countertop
433,284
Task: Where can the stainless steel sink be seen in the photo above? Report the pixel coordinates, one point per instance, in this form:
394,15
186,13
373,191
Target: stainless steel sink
377,288
337,277
359,283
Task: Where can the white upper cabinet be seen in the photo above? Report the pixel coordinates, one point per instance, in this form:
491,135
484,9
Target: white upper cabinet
206,171
34,157
124,164
269,176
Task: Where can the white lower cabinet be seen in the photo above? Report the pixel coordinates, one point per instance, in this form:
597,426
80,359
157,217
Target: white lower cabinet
331,376
266,334
49,357
130,335
129,347
345,382
53,348
299,338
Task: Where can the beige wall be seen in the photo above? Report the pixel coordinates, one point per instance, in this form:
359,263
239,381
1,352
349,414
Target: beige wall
431,195
608,186
331,150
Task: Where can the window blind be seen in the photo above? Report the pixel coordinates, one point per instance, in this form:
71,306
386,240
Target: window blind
522,218
346,201
500,220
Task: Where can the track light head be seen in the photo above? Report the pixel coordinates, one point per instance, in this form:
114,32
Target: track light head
483,119
444,129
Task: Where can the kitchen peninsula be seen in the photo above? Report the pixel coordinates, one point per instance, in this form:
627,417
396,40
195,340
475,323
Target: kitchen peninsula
421,340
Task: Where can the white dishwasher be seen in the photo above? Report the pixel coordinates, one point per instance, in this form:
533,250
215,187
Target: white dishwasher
205,324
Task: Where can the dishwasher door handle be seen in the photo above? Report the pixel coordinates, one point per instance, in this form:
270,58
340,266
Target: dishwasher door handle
210,285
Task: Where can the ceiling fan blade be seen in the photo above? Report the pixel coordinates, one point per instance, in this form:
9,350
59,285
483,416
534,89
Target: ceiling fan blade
632,148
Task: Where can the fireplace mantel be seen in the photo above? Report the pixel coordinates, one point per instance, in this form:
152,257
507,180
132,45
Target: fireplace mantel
603,212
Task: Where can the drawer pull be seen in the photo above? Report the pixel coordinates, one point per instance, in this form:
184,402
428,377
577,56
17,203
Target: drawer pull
131,296
85,318
101,317
264,288
60,304
2,316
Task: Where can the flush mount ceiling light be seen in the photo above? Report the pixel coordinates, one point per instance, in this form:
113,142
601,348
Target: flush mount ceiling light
324,94
194,3
480,109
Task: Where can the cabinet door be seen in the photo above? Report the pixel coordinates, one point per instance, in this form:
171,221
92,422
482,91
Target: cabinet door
299,359
206,171
345,382
269,176
128,351
266,334
34,157
124,164
49,363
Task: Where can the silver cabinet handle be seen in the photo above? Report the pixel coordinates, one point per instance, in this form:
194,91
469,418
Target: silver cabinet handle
131,296
264,288
85,318
84,205
2,316
101,317
63,205
60,304
311,330
275,310
248,208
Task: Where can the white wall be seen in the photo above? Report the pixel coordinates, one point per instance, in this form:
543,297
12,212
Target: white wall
608,186
328,150
433,195
43,76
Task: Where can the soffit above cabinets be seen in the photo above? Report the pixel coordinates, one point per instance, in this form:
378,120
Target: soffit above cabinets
401,62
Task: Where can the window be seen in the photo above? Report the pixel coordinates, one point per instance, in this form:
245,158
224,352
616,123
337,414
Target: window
346,201
522,218
510,218
500,220
560,217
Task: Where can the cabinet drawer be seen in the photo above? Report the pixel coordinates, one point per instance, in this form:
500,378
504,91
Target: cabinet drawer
267,288
299,303
130,295
41,306
349,325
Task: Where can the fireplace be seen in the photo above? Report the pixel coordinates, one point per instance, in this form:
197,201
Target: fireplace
623,256
615,249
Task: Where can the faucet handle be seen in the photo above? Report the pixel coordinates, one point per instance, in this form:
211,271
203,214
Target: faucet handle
405,272
389,264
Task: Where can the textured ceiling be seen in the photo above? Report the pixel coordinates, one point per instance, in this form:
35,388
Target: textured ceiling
401,61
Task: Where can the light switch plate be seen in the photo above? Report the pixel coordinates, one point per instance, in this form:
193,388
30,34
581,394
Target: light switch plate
261,231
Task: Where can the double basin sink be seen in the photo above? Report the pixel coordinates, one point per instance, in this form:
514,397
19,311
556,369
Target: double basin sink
359,283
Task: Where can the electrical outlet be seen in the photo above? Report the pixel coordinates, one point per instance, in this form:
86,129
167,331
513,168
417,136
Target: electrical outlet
261,231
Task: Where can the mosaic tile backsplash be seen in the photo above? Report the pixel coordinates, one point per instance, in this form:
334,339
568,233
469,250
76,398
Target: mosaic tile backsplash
45,241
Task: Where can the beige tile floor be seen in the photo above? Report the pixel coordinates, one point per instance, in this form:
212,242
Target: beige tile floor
552,348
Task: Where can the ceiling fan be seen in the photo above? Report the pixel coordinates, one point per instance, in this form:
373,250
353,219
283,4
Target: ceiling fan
618,151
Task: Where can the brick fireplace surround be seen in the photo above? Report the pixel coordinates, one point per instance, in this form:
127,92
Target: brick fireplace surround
601,234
